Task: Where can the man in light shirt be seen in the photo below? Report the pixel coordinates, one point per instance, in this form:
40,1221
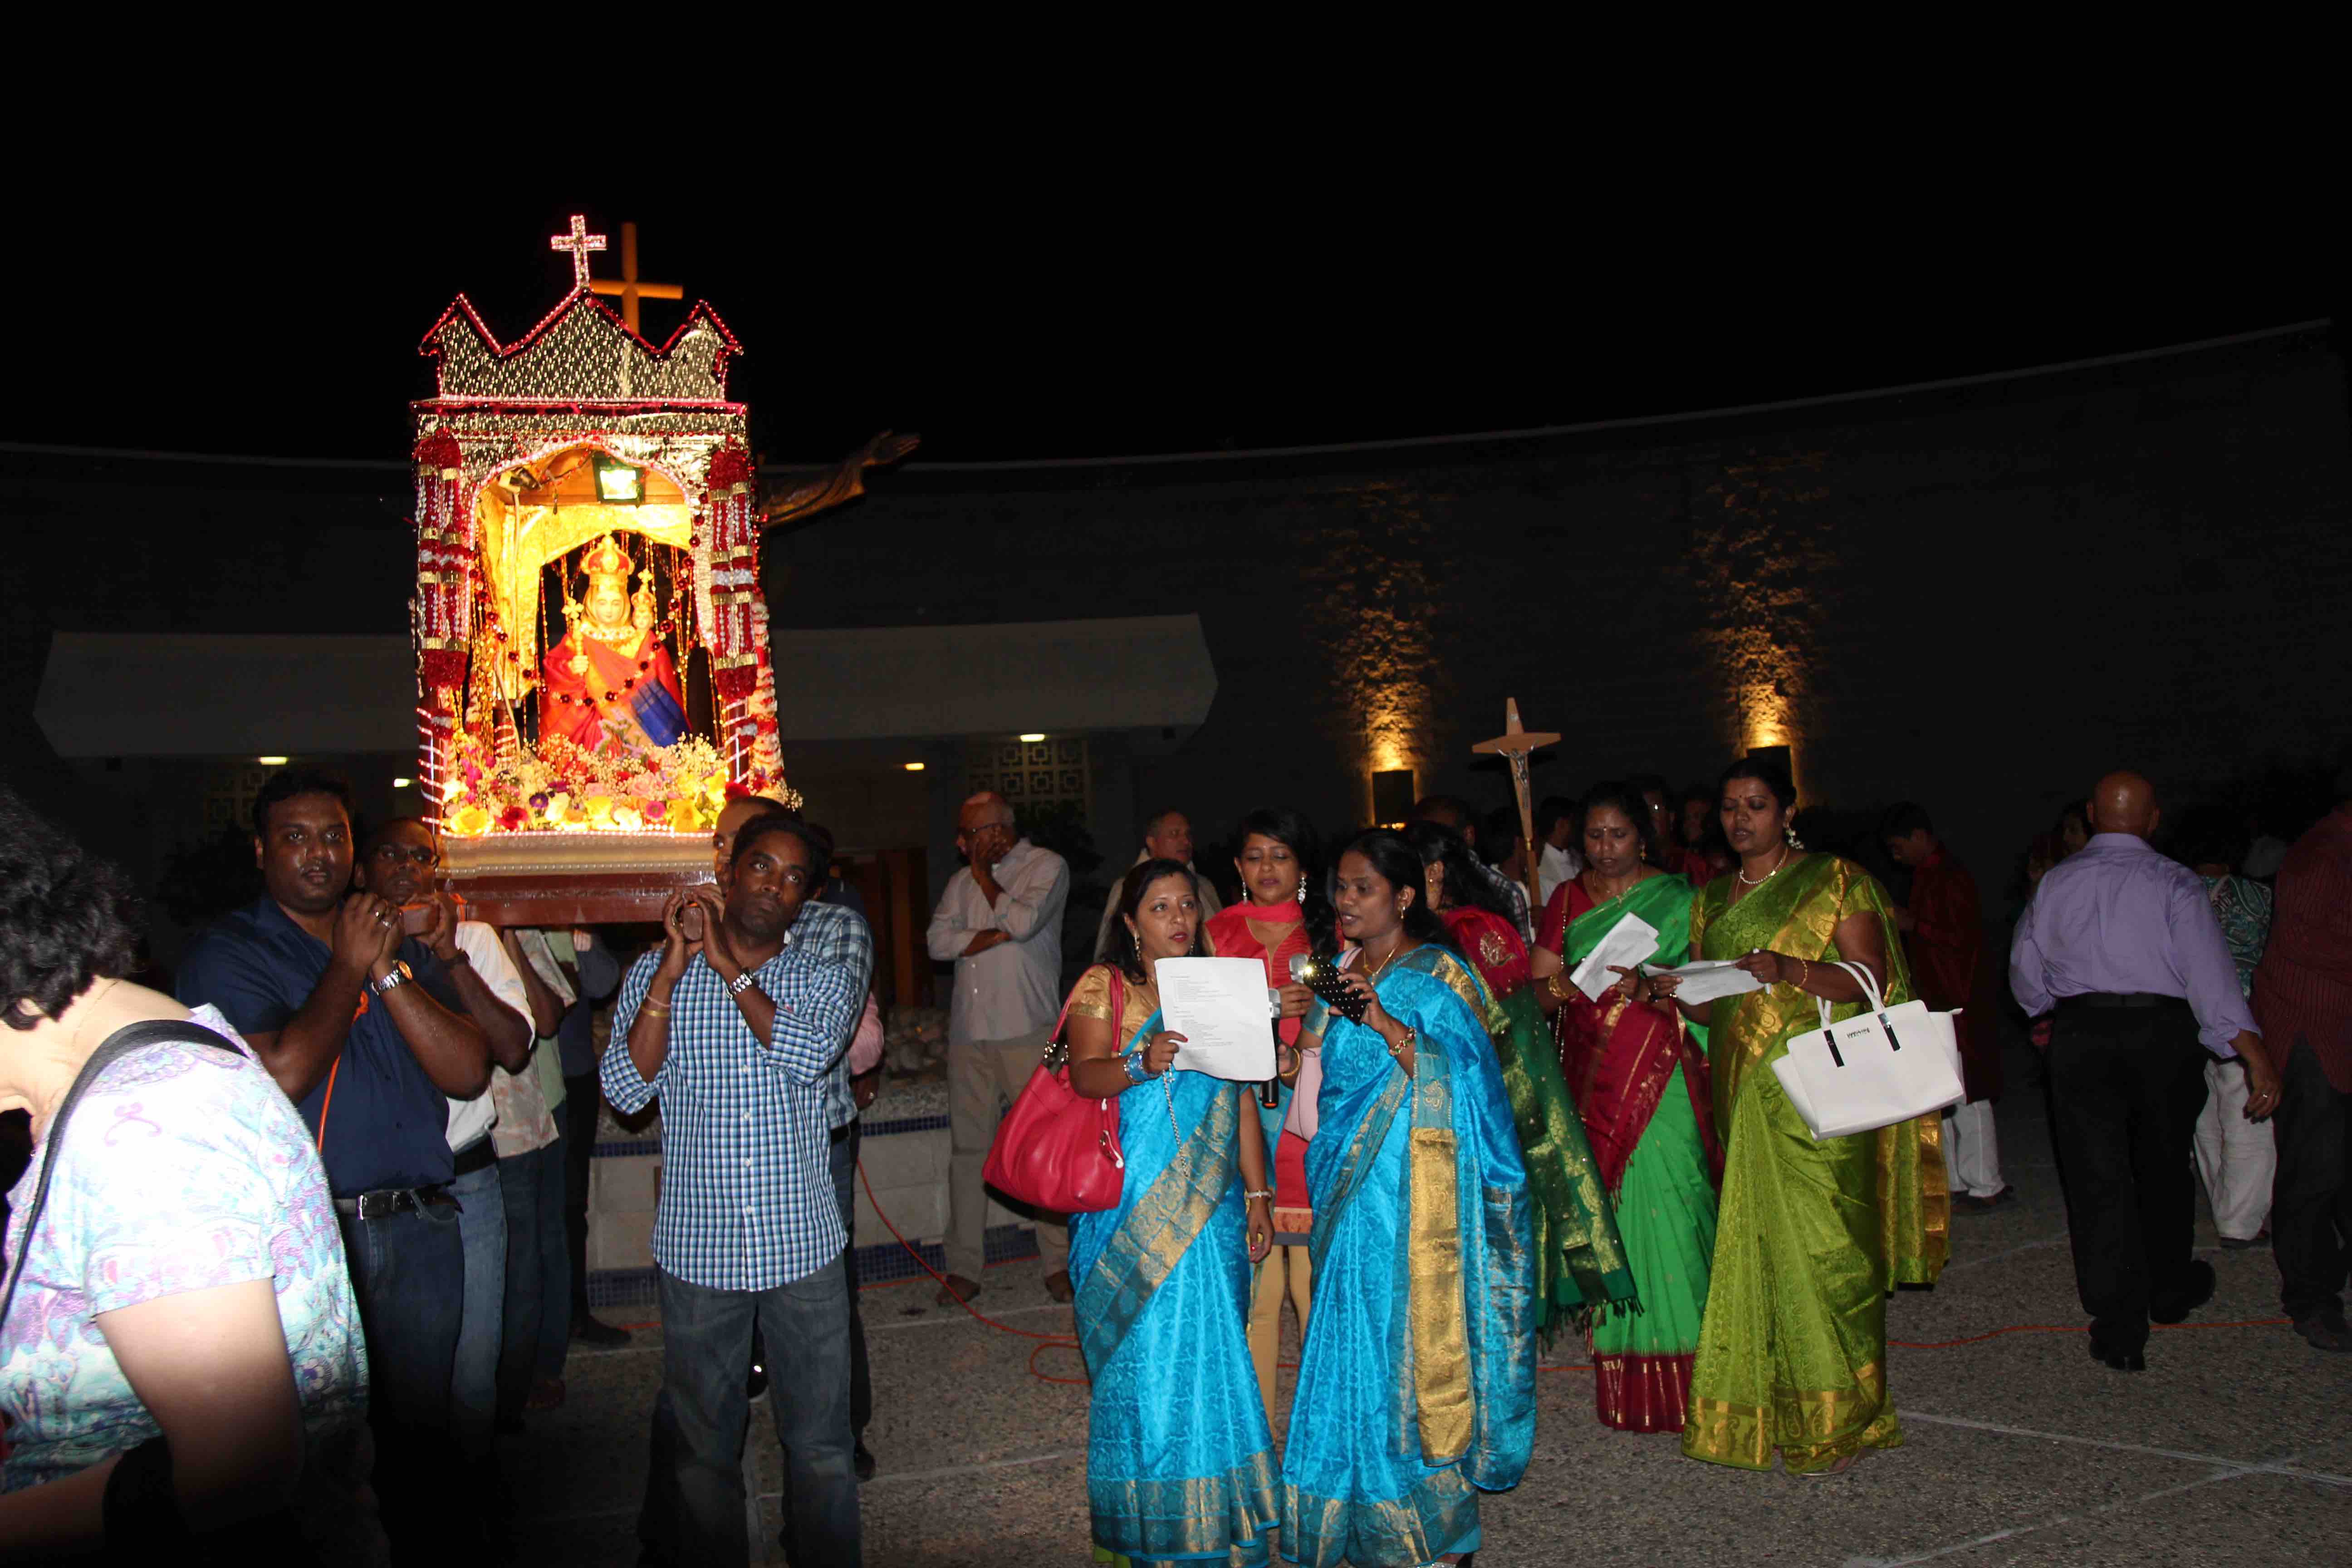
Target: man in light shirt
2121,944
1560,821
1000,922
1166,837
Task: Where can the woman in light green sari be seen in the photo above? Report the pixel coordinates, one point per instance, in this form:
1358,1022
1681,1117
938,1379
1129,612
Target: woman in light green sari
1810,1236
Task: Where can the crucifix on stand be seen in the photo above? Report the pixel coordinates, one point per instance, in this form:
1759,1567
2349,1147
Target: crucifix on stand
1516,745
629,288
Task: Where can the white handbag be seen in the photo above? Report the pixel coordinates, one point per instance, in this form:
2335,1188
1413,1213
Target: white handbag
1882,1066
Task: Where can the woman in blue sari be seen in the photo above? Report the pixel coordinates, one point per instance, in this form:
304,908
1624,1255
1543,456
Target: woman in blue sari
1180,1465
1416,1388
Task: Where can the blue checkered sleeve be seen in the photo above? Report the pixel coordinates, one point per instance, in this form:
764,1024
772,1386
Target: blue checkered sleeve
747,1200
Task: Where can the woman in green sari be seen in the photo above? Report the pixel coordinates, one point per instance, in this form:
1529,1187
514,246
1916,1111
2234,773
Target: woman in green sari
1639,1074
1810,1236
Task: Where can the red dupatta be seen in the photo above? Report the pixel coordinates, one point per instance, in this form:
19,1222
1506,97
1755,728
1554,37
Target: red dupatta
1491,943
1618,1056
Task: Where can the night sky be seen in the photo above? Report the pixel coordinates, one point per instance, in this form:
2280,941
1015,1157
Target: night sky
1010,319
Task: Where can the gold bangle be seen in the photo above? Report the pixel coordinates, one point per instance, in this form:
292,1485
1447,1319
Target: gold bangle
650,1006
1806,965
1552,981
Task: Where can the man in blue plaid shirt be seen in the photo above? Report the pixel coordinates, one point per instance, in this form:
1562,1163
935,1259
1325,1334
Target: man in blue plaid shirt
735,1024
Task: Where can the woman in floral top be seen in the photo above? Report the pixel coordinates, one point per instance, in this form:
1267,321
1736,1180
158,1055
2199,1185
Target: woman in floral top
182,1349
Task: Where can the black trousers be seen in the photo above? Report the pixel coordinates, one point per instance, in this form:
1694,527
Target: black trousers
2126,1088
583,1098
2311,1203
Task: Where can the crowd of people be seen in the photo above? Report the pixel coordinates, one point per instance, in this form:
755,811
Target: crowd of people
254,1302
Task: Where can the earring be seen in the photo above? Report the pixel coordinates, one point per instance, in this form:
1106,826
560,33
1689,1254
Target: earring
1135,942
1302,887
1643,851
1789,831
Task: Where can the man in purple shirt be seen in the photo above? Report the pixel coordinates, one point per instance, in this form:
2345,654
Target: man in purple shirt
2121,943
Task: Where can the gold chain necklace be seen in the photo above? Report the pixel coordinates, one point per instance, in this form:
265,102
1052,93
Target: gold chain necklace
1759,881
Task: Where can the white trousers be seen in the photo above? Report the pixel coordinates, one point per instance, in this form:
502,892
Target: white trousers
1972,1149
2235,1157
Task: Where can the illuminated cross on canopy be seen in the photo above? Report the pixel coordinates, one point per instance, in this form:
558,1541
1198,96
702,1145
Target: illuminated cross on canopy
579,242
629,289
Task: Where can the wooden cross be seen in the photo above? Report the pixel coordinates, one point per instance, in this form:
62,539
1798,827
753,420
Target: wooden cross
629,289
1516,745
579,242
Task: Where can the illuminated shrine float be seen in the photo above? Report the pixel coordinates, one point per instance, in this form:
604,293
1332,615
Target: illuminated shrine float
591,643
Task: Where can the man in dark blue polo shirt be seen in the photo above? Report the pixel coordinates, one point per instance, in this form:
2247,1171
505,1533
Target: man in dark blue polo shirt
362,1027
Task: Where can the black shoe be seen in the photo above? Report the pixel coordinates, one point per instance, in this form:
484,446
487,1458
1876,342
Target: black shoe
2120,1360
2195,1290
863,1461
589,1331
2326,1330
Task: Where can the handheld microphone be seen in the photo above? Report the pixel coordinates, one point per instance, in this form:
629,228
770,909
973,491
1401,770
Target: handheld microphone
1323,977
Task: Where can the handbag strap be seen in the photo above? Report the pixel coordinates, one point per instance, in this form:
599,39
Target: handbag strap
1860,973
118,1044
1056,1041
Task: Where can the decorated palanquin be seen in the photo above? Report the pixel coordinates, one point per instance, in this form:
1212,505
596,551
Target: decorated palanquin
591,643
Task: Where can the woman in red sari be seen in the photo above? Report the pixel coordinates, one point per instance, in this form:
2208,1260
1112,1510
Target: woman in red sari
1639,1074
1584,1270
1283,912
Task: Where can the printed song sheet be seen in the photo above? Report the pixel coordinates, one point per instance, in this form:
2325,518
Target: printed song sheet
1708,979
1220,1007
1629,941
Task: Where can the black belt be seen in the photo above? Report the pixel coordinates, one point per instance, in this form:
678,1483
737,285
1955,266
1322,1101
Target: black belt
2120,999
476,1156
840,1133
392,1201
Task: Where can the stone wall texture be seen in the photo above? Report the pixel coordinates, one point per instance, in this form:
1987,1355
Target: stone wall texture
1977,596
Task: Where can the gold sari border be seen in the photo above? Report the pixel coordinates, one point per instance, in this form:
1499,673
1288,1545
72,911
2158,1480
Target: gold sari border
1191,1516
1153,1239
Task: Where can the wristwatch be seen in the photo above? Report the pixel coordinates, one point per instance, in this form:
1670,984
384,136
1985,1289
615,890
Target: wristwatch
401,974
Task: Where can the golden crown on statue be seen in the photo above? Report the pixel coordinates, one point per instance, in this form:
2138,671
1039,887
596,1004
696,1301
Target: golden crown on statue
607,559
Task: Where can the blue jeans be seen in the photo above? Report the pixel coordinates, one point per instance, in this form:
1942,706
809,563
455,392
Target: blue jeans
474,1375
706,1350
538,1313
408,1272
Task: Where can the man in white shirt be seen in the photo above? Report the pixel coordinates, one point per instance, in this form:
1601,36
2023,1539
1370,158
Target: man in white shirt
1166,837
1558,823
999,922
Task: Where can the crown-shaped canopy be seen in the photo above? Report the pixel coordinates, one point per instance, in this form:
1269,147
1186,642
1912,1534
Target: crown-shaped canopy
580,352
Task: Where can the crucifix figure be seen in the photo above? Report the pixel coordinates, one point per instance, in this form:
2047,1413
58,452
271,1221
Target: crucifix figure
846,483
1516,745
579,242
629,289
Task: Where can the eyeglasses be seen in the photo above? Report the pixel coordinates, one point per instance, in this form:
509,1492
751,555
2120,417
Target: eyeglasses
421,854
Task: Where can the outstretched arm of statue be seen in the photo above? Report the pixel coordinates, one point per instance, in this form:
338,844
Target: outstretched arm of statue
846,483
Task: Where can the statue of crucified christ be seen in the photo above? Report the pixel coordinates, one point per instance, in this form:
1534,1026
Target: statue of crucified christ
846,483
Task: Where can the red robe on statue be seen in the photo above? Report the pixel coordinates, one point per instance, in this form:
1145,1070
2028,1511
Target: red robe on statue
600,705
1945,944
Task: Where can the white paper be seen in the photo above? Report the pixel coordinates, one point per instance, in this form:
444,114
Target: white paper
1629,941
1708,979
1219,1005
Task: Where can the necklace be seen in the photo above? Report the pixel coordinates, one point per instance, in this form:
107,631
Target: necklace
1759,881
1598,901
1382,968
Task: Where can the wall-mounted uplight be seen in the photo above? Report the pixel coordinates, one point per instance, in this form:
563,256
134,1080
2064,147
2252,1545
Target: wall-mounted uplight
1032,738
1392,796
914,767
618,484
271,761
402,784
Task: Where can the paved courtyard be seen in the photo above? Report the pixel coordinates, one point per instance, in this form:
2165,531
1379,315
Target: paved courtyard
2234,1446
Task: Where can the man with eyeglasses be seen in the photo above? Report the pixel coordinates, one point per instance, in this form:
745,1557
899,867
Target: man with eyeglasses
1000,922
397,863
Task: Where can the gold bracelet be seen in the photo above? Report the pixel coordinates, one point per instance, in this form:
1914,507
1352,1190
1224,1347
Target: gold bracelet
650,1006
1807,965
1552,980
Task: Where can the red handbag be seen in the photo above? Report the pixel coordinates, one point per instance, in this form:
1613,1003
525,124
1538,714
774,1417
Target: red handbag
1053,1150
